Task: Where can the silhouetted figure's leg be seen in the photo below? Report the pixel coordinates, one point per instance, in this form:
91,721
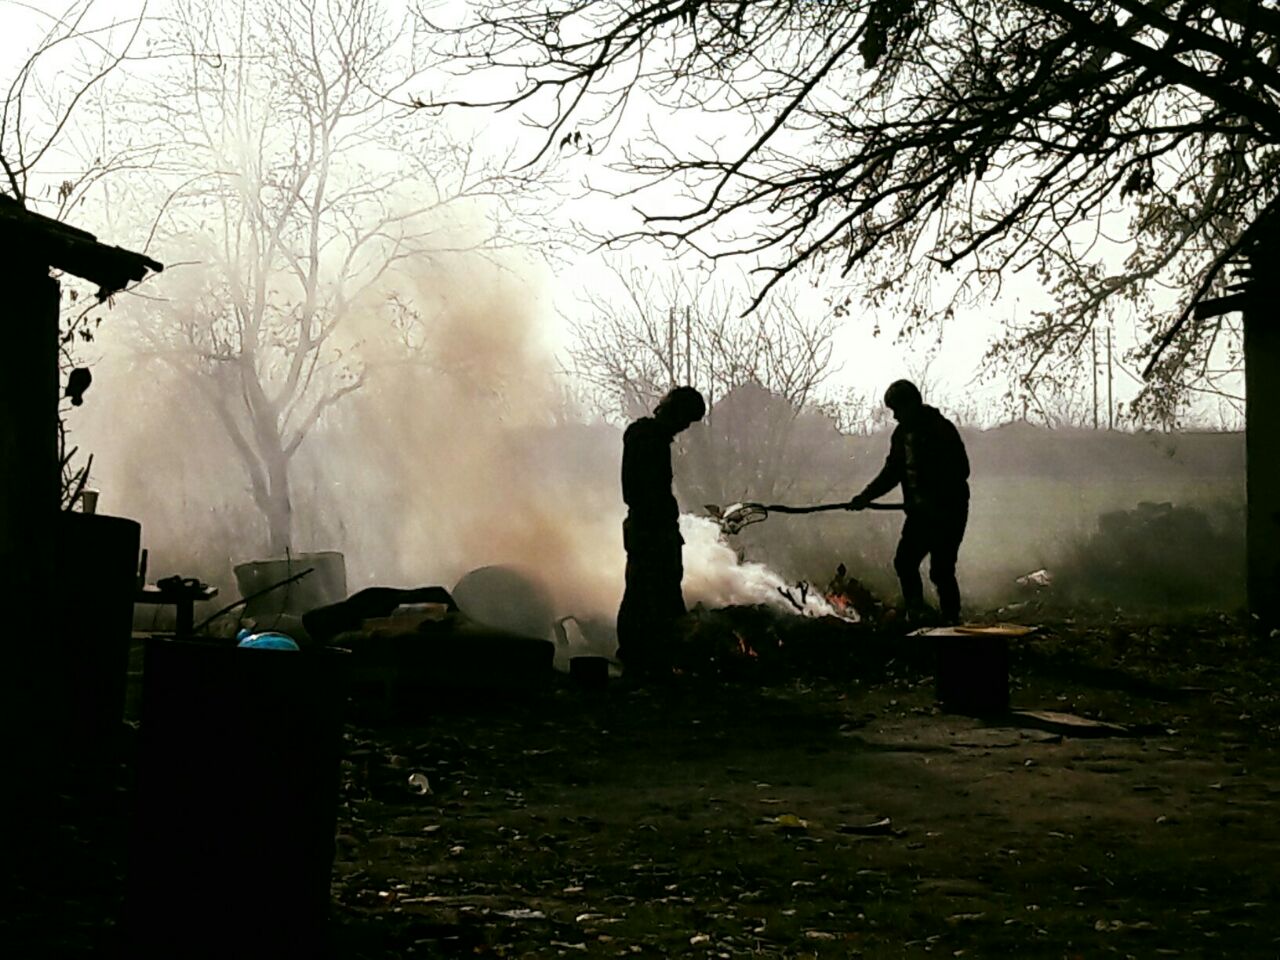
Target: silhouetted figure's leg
652,603
912,549
949,532
633,615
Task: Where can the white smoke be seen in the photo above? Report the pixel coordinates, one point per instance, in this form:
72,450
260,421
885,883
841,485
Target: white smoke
714,576
432,470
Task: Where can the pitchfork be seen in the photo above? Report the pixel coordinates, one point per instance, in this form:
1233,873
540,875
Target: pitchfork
738,515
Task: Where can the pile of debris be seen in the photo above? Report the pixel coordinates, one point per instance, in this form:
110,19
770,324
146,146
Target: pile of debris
765,643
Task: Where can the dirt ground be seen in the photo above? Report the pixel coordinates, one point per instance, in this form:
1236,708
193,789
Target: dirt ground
713,820
747,819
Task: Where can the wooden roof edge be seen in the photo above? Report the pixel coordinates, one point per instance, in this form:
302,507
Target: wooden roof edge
71,250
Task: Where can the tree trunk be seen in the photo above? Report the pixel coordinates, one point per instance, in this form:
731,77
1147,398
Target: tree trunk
1262,432
279,508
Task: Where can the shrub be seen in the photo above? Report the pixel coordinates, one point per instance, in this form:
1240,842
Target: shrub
1159,554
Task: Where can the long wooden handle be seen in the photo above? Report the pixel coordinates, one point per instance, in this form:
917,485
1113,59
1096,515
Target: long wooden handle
818,508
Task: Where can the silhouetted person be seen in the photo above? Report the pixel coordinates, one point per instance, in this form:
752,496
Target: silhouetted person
653,602
926,456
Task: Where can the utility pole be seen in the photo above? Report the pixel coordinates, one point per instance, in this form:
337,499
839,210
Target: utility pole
1111,419
1093,337
671,345
688,347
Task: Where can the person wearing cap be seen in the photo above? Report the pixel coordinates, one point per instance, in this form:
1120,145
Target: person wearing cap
652,603
926,456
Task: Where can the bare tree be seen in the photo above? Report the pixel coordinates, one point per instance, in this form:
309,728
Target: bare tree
298,191
77,54
759,373
897,140
657,329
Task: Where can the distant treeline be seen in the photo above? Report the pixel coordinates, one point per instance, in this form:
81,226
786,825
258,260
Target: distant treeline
1023,449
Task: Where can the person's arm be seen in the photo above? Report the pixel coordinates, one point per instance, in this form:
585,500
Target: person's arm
890,476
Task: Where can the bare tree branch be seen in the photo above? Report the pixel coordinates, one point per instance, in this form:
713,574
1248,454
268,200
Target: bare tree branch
1115,147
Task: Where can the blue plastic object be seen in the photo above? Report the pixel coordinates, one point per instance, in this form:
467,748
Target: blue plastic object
267,640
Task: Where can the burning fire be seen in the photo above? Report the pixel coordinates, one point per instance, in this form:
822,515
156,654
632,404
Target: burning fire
714,576
744,647
841,604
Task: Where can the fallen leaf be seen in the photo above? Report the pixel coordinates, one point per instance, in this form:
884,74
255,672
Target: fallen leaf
881,826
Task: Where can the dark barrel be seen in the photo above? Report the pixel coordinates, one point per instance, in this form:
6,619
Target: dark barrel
972,673
95,579
233,840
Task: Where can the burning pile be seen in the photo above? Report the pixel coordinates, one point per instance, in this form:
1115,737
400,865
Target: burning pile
773,641
849,597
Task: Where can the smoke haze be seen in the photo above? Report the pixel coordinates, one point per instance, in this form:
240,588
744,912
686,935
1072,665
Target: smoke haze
461,451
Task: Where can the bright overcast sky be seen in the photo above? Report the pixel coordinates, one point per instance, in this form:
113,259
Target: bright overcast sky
868,362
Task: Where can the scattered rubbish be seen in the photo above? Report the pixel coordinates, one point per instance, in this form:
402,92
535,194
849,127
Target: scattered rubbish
419,784
698,939
267,640
1036,579
1011,630
1115,926
1069,724
995,629
789,821
521,913
209,592
875,828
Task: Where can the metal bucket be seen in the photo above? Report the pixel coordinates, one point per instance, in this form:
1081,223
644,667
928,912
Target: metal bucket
591,673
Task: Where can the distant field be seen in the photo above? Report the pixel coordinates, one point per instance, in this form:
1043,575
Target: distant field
1016,525
1021,524
1037,495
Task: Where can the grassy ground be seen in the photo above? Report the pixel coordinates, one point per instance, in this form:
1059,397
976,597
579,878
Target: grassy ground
746,819
720,822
